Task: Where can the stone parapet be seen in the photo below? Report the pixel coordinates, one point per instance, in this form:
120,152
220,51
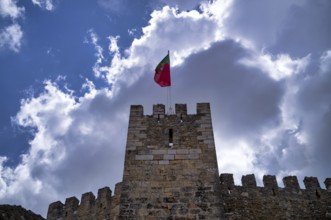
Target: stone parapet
327,183
99,208
272,202
181,110
270,182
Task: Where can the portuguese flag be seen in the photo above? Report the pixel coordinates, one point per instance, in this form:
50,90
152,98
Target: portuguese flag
162,72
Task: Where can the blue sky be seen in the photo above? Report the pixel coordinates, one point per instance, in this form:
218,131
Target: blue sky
71,69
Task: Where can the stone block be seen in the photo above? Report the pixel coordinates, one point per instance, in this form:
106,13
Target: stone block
195,151
168,157
181,157
159,151
182,151
193,156
144,157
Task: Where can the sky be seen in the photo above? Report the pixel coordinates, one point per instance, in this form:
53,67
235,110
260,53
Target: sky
71,69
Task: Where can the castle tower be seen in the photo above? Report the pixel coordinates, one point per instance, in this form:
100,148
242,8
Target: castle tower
170,166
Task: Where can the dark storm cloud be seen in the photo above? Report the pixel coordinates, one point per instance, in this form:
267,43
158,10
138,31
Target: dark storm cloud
258,20
314,107
306,30
244,100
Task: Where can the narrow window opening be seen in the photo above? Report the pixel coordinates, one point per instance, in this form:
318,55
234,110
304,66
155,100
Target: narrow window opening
318,195
100,205
273,192
170,137
229,190
158,118
181,118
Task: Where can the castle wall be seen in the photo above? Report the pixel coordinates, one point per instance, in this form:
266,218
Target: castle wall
247,201
271,202
90,208
171,172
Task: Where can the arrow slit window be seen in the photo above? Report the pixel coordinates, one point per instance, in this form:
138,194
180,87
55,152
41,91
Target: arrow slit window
171,137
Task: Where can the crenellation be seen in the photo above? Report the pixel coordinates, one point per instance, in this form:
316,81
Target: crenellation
270,182
248,181
327,183
136,111
104,194
87,199
55,210
227,180
87,206
158,111
171,172
272,202
291,183
311,183
203,108
103,203
181,111
70,207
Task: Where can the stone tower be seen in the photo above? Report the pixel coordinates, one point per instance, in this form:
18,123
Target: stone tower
170,168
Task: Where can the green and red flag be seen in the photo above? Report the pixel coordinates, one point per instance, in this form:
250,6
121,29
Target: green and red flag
162,72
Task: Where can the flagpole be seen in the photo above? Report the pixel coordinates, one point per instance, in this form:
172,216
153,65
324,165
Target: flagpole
169,98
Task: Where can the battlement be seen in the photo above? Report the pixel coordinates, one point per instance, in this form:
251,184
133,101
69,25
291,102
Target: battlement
290,202
159,110
270,182
270,197
98,208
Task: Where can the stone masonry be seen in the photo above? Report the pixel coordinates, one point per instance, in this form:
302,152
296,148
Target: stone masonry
171,172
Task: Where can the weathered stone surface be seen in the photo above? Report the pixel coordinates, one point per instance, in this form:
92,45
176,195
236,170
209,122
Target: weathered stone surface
181,166
271,202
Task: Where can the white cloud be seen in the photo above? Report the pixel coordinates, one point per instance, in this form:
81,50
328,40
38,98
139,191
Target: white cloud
279,67
10,9
44,4
113,5
325,61
70,135
183,4
11,36
237,157
165,25
265,118
93,39
259,21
